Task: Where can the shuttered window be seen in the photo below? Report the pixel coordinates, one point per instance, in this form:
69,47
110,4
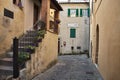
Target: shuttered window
72,33
73,12
68,12
81,12
77,12
88,12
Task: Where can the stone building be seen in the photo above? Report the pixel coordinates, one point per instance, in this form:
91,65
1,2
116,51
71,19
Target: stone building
105,37
17,19
74,28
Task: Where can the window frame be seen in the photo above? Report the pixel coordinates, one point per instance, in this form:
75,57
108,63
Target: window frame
75,12
72,32
18,3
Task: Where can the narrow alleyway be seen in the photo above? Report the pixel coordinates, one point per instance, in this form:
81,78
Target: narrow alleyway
71,67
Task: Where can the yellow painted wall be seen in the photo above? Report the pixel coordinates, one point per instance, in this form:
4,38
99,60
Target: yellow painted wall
28,13
107,16
12,28
45,55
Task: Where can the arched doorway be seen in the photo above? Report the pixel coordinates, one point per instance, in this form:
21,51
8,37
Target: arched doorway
97,44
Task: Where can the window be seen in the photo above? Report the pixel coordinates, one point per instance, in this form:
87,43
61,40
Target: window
81,12
72,12
14,1
72,33
84,12
18,3
8,13
88,12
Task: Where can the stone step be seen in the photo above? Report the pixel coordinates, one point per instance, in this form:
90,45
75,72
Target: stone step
26,50
31,35
9,54
28,39
26,44
5,71
6,61
6,68
31,31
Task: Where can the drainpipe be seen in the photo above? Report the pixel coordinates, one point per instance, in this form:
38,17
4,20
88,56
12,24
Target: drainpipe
89,54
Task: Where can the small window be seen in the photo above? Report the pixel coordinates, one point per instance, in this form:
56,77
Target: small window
78,47
73,13
18,3
72,47
81,12
84,12
8,13
14,1
72,33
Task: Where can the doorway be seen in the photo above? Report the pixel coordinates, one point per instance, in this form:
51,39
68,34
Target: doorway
97,44
58,46
36,16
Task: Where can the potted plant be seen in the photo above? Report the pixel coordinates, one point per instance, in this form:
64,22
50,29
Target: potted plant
23,56
41,33
39,39
57,21
31,49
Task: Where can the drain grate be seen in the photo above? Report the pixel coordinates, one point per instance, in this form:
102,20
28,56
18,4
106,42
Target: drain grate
90,72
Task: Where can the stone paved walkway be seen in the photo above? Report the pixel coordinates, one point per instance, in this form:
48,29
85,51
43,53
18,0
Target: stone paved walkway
71,67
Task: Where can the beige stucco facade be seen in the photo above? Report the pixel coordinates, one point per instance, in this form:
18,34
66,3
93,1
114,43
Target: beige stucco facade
23,20
106,16
28,13
44,57
9,28
81,24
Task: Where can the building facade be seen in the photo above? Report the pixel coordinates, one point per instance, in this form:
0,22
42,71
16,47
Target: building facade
74,28
105,37
17,19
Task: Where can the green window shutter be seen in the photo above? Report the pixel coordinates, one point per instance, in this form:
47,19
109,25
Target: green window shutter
72,33
88,12
81,14
68,12
77,12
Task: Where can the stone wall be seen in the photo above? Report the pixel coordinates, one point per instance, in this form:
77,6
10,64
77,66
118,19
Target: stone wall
9,28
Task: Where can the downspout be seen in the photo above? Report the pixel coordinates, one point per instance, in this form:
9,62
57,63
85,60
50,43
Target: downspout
89,53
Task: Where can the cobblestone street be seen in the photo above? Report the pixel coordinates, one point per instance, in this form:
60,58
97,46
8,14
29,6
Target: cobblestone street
71,67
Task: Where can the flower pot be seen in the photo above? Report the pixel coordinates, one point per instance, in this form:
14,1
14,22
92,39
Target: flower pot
30,50
39,40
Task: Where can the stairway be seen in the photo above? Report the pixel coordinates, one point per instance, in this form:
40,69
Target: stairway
6,67
6,63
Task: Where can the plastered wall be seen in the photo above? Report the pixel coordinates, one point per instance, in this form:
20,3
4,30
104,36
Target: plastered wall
106,15
82,30
9,28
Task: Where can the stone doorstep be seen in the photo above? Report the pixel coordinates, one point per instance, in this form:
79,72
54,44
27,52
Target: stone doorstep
9,68
10,54
6,59
6,62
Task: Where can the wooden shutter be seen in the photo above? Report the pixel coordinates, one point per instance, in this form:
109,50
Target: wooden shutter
88,12
81,14
72,33
68,12
77,12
